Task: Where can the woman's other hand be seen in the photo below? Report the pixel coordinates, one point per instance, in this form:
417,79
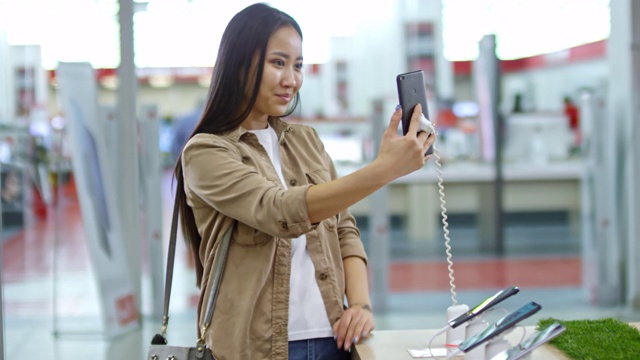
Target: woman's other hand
355,324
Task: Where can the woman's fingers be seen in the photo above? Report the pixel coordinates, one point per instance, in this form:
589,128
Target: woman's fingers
431,139
395,120
357,332
350,335
355,324
414,124
340,329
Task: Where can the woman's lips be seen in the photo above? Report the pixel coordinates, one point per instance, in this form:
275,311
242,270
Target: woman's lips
284,97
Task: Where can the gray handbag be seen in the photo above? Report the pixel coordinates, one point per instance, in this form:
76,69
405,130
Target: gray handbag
159,350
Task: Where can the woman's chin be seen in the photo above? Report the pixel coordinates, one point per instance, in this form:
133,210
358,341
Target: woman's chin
279,112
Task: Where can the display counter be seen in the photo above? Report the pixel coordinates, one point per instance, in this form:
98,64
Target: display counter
554,186
394,344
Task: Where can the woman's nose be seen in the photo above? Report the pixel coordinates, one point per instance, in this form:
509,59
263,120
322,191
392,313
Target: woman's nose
289,78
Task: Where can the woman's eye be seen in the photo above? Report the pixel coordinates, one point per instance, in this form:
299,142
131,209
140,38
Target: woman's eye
299,66
279,62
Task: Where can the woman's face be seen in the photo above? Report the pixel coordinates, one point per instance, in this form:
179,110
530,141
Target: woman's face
282,76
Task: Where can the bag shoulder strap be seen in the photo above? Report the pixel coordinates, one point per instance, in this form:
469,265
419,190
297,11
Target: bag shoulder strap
218,269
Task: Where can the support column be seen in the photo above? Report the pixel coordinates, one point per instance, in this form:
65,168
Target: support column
624,113
379,224
633,238
616,203
444,68
1,318
1,289
127,173
486,72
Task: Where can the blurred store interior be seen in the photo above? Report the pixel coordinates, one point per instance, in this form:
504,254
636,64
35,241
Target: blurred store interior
535,102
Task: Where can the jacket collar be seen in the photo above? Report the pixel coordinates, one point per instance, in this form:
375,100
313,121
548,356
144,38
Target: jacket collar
277,124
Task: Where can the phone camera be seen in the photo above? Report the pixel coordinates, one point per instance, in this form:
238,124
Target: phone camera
401,77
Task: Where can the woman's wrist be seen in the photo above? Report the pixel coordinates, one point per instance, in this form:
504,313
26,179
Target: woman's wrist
364,306
380,172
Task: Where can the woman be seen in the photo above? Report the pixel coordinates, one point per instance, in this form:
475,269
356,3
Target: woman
295,250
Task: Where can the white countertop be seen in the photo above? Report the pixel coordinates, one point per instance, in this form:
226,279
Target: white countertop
394,344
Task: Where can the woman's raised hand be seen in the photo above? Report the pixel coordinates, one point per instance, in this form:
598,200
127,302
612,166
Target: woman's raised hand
401,155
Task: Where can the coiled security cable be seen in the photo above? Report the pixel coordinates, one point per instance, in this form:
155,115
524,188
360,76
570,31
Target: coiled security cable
443,206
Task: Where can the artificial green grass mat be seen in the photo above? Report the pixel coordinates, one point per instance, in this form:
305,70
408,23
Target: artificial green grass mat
596,339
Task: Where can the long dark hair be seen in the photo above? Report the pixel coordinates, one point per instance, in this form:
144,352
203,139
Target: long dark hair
246,36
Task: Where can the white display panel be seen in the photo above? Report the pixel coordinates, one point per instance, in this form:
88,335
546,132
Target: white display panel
97,196
1,322
6,101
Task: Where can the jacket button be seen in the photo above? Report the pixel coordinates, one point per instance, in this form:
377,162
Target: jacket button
292,182
284,226
324,276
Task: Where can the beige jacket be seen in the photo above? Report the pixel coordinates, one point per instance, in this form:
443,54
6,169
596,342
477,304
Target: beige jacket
230,176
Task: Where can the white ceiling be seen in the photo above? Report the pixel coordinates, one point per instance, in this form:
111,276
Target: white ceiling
522,27
175,33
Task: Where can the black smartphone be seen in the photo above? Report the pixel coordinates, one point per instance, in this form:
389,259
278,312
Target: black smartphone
537,339
411,92
484,306
500,326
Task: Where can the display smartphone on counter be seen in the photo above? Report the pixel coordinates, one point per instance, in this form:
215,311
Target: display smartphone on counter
499,326
536,340
484,306
411,92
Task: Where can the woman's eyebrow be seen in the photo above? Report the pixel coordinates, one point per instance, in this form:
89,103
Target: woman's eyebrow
284,55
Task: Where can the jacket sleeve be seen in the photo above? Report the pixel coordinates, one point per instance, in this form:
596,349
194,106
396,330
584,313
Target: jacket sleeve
215,176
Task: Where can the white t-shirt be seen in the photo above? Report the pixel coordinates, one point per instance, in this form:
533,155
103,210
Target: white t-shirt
307,315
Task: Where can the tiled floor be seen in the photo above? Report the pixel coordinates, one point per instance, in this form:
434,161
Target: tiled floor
51,309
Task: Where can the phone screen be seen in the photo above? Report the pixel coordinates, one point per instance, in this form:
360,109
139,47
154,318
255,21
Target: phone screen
500,326
538,338
484,306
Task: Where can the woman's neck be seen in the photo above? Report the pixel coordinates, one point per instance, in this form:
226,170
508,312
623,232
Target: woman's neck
255,122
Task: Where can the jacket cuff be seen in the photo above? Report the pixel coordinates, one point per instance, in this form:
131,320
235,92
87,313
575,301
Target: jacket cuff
295,210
